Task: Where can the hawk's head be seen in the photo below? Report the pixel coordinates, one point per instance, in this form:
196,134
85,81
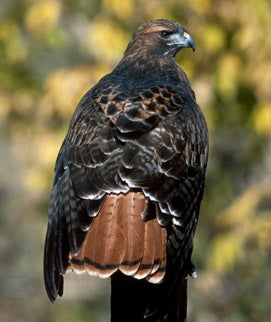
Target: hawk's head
159,38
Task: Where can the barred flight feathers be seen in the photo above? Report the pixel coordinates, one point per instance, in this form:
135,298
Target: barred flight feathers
129,180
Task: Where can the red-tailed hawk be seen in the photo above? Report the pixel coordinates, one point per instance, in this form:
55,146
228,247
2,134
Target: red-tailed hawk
129,179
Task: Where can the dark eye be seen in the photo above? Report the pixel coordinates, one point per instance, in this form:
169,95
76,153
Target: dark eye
166,33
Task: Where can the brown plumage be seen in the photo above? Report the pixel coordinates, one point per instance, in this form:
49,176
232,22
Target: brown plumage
129,180
127,243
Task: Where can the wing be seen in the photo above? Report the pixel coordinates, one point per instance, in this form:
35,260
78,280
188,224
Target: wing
153,143
85,170
168,163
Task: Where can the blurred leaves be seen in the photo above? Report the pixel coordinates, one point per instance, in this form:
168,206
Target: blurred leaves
51,53
104,35
245,221
262,119
214,38
42,17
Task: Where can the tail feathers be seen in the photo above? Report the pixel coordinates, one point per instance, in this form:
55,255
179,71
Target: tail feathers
167,301
120,240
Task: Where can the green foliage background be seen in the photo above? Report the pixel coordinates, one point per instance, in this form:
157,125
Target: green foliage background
51,52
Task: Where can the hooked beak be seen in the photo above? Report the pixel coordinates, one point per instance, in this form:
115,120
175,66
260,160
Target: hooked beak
188,41
182,40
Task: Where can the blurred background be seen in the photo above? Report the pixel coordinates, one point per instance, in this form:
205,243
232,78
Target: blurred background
51,52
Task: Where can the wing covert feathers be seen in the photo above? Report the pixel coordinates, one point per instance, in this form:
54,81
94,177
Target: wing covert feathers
120,240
